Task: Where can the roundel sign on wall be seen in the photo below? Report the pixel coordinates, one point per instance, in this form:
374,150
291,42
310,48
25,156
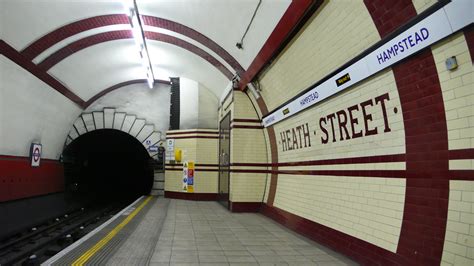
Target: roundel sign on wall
35,154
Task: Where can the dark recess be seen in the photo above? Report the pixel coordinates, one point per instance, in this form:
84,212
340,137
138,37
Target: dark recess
107,165
174,104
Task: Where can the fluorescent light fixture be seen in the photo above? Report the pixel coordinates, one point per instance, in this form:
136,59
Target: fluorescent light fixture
131,10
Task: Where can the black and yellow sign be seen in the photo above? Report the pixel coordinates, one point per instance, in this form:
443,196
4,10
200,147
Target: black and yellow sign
343,79
286,111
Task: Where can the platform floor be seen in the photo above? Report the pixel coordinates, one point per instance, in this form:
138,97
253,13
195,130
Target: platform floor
180,232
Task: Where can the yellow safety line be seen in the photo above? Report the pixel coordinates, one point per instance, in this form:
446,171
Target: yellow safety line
88,254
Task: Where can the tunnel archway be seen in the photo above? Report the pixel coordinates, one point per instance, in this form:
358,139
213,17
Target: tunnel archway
107,164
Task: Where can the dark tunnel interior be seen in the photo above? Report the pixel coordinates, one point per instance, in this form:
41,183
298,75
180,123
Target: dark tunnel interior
107,164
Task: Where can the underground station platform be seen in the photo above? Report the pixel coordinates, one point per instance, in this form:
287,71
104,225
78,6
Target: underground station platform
237,132
159,231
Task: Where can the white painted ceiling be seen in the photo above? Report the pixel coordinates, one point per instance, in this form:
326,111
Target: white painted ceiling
97,67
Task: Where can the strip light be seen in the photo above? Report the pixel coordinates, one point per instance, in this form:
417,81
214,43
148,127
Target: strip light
131,10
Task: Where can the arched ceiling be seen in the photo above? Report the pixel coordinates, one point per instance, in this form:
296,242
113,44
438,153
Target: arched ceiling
86,46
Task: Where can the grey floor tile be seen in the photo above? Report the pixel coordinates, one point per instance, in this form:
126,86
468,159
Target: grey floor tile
212,258
184,258
241,259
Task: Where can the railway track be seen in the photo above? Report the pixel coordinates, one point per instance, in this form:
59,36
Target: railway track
39,243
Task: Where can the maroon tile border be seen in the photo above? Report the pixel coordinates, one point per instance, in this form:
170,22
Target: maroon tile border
196,169
29,66
245,206
193,137
195,35
198,164
364,173
118,86
19,180
294,17
462,175
350,160
89,41
469,35
427,187
461,154
361,251
50,39
81,44
246,120
192,132
191,48
191,196
245,127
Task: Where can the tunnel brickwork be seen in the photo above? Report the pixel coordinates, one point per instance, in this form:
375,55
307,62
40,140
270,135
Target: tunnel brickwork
110,119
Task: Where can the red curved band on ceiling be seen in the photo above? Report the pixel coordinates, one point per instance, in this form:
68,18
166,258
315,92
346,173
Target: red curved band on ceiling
195,35
118,86
29,66
78,45
190,47
50,39
126,34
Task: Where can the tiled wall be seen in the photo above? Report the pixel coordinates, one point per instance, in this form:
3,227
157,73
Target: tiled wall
458,93
200,146
459,239
248,147
339,31
380,175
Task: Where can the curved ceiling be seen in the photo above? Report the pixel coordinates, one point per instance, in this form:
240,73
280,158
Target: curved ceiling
86,46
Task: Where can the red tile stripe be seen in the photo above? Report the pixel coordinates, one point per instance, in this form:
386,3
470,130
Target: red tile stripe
83,43
351,160
246,120
195,35
461,154
19,180
191,132
469,35
190,47
245,127
118,86
64,32
89,41
50,39
363,252
193,137
427,187
25,63
462,175
191,196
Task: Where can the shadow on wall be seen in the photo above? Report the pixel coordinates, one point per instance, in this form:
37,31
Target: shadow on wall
107,164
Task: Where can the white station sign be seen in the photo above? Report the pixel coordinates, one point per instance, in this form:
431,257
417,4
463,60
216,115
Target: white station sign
170,150
35,153
442,23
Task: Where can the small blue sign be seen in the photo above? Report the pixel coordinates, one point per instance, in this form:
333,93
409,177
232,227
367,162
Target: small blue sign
153,148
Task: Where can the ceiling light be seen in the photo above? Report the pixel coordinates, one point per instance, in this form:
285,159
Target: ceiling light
131,10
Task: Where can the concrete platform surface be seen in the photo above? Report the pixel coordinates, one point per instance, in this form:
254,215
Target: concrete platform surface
180,232
205,233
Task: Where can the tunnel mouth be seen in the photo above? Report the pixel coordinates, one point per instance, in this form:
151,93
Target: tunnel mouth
107,164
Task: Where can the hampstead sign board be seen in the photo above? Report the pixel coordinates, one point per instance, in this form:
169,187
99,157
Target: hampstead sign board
447,20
